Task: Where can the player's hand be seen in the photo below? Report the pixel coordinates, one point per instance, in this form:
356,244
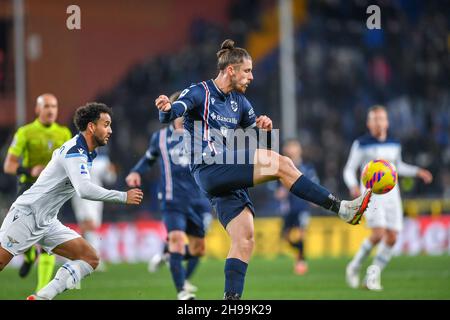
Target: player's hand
133,180
264,122
355,192
134,196
425,175
163,103
36,170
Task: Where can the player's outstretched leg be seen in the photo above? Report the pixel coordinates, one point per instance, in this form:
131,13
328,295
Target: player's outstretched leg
269,165
83,262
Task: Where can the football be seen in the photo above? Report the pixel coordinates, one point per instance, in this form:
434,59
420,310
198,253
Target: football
379,175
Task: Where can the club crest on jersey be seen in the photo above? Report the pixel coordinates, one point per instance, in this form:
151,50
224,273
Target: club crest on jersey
234,105
11,242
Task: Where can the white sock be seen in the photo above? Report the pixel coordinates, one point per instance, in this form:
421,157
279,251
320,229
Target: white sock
383,256
362,254
94,240
66,278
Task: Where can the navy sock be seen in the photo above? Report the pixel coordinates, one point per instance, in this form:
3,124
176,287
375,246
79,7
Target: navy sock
191,265
187,254
300,250
177,270
235,270
315,193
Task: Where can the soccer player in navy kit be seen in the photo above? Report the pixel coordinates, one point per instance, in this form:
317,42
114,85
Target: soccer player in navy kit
217,107
296,211
182,202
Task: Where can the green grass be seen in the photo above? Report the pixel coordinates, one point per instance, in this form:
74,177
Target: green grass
421,277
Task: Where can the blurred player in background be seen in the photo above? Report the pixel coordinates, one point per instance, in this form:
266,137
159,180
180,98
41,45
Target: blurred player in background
89,213
385,215
296,211
27,156
33,216
183,205
217,107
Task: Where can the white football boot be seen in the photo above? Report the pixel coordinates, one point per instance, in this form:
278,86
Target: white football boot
189,287
352,276
373,278
185,295
353,210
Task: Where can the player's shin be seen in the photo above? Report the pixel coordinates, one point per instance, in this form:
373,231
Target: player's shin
66,278
362,254
177,270
383,255
315,193
235,271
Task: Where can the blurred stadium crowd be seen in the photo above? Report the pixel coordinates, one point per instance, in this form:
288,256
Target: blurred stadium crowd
343,68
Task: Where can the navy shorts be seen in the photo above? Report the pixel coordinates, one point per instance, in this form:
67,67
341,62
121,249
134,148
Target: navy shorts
187,218
226,187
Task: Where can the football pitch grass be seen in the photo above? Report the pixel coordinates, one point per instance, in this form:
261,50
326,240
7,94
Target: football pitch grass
419,277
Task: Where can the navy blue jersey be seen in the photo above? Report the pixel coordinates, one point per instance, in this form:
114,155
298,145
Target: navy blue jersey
216,112
296,204
177,187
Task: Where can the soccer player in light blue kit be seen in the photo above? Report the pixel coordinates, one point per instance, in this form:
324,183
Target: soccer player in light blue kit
185,208
211,110
385,216
33,216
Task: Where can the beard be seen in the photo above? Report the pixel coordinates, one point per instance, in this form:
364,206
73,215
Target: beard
237,86
99,141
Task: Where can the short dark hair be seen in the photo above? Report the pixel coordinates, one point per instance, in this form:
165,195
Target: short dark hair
89,113
229,54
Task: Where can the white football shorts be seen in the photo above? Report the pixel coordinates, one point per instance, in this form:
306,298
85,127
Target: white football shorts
19,232
385,211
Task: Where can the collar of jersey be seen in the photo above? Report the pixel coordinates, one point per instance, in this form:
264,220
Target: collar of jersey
83,143
41,125
220,92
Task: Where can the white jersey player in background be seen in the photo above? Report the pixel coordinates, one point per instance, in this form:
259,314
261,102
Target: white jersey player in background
89,213
33,216
385,215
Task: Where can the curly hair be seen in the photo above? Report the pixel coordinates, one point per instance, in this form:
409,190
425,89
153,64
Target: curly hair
89,113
